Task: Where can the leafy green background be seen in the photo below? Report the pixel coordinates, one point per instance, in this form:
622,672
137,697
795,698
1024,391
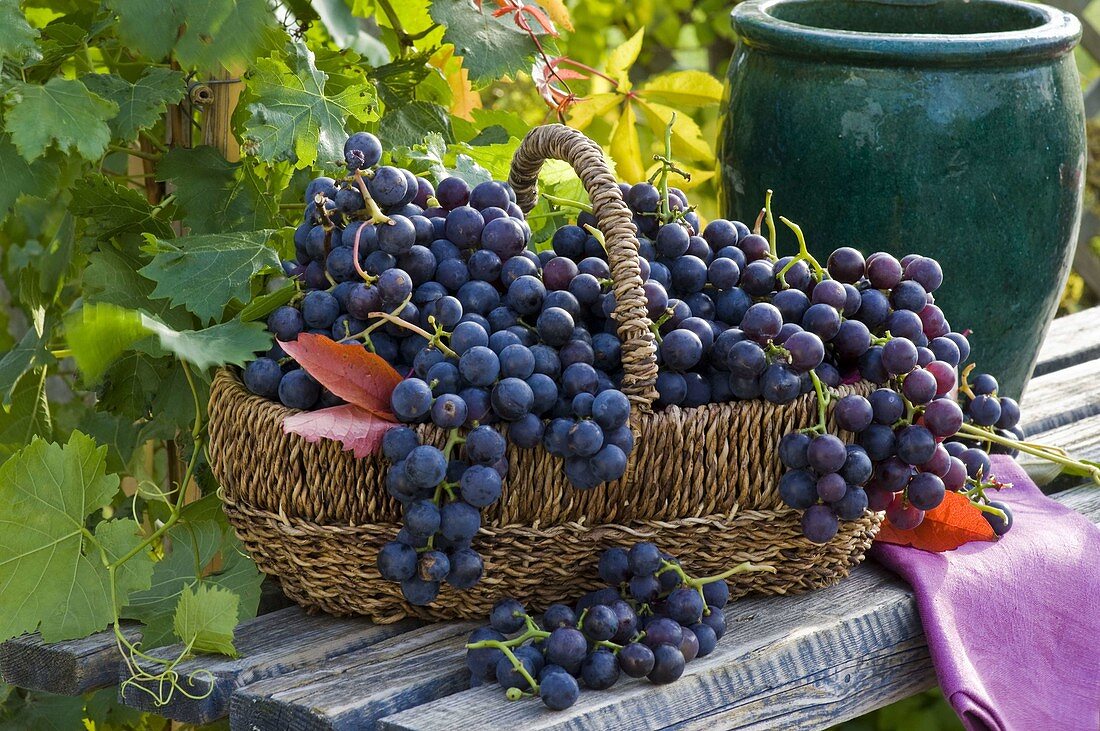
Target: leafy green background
136,225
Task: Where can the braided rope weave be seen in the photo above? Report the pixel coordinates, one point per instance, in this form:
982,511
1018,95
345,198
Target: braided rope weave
701,482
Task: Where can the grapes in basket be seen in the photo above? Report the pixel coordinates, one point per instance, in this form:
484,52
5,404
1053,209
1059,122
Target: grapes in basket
440,281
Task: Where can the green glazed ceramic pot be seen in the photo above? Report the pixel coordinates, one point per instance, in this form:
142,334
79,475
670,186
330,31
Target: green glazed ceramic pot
949,128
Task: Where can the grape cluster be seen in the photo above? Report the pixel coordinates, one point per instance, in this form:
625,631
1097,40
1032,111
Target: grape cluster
650,620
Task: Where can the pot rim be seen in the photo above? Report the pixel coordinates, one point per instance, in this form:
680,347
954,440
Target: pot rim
1055,34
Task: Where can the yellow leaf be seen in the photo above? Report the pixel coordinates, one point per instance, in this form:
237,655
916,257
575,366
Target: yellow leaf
584,112
558,13
684,88
464,100
622,58
625,148
687,139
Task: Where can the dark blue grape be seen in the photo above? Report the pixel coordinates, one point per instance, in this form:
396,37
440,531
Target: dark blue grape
484,445
559,691
298,390
411,399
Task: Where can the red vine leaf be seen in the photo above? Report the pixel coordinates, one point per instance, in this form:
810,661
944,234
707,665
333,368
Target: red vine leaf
357,429
359,377
952,524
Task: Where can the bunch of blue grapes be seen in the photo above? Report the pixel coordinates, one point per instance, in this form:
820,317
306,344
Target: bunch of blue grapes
650,620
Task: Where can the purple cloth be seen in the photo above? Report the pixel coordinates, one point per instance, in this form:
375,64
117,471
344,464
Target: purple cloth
1013,626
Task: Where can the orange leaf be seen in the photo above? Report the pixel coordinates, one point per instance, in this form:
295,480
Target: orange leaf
358,430
944,528
350,371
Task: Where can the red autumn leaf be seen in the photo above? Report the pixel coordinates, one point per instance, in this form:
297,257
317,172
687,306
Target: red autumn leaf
354,374
357,429
944,528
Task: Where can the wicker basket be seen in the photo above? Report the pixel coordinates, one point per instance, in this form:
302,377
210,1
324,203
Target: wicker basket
700,482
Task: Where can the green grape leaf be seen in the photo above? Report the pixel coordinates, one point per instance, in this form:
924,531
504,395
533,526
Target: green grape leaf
18,177
118,538
111,276
140,104
216,195
16,34
28,354
29,415
397,81
61,111
490,47
57,45
204,272
114,431
350,30
46,712
51,576
262,306
203,34
195,543
206,617
132,383
110,210
409,124
294,117
100,333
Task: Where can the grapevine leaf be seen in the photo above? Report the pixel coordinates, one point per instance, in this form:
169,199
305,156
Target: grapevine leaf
217,196
350,30
29,415
622,58
16,34
46,712
58,43
952,524
100,333
359,430
350,371
112,276
110,210
490,47
294,117
411,123
47,580
18,177
397,81
203,33
195,543
140,104
558,13
205,618
584,112
687,139
29,353
262,306
61,111
626,150
204,272
118,538
684,89
131,384
464,99
118,433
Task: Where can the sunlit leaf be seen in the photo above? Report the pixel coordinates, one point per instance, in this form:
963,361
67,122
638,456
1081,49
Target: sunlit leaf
490,47
206,617
622,58
687,139
683,89
140,104
625,147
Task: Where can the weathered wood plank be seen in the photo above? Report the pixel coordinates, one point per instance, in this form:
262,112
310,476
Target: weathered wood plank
356,690
272,645
1071,340
70,668
1061,398
805,661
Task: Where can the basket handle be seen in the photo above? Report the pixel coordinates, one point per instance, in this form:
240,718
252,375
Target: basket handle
558,142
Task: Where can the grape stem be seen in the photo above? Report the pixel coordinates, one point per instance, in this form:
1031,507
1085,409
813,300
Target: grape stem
700,582
433,339
568,203
376,215
531,632
1081,468
823,398
802,255
355,257
598,235
771,225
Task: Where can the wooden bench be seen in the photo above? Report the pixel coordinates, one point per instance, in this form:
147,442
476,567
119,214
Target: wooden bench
810,660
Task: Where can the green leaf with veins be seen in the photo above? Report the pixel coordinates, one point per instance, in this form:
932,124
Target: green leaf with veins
411,123
110,210
29,415
490,47
46,712
30,353
114,431
204,34
18,177
294,117
206,617
130,386
61,111
57,45
140,104
195,544
205,272
218,196
16,34
112,276
52,577
100,333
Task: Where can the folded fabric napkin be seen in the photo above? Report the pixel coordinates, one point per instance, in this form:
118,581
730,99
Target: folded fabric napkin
1013,626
